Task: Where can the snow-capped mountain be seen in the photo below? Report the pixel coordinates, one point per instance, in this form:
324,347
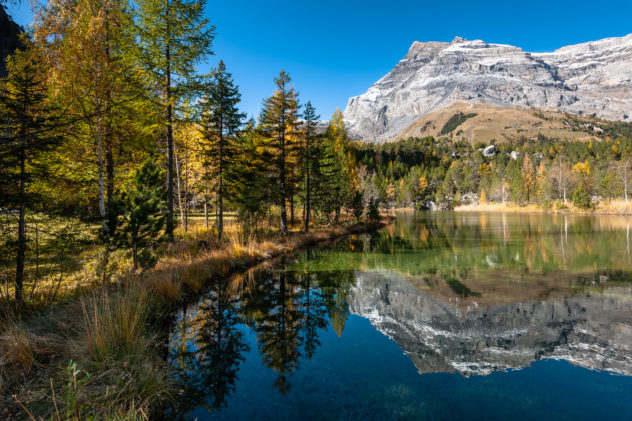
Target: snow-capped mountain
590,78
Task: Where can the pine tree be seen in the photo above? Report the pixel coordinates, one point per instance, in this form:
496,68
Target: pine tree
309,156
174,36
220,122
143,205
27,122
279,121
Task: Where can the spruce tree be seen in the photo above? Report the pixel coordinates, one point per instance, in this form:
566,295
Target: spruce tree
279,121
27,122
309,155
253,183
220,121
143,205
174,36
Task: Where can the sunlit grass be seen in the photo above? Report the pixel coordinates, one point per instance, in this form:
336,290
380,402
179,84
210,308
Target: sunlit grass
606,207
101,314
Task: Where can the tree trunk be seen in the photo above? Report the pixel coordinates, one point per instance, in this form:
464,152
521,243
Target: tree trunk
109,154
169,226
283,199
292,210
109,182
308,191
102,210
220,186
135,256
186,189
206,206
21,252
625,181
179,189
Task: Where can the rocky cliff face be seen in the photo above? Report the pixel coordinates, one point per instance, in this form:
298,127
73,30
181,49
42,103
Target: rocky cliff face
591,331
9,32
590,78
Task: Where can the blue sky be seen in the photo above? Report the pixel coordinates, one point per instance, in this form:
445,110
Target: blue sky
335,49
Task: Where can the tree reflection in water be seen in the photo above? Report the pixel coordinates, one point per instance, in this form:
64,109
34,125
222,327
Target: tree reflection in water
284,308
473,294
209,351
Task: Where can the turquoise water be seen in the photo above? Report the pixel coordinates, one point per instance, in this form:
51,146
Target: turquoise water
440,316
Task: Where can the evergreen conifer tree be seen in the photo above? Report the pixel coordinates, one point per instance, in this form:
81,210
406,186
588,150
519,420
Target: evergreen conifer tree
27,122
253,184
279,121
220,121
309,155
143,205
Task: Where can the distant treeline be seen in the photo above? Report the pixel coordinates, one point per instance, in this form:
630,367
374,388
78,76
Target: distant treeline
439,173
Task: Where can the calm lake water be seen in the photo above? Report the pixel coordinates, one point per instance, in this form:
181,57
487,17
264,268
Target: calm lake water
438,316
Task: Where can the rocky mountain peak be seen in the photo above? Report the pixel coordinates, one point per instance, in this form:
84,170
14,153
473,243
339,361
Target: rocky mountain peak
589,78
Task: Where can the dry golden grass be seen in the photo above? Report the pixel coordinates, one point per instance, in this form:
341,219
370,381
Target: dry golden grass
605,207
16,353
119,373
500,207
188,267
114,323
614,207
494,122
169,288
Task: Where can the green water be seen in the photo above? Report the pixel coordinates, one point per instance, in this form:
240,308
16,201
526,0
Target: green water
438,316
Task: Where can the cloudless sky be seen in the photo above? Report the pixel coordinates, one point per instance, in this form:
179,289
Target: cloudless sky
335,49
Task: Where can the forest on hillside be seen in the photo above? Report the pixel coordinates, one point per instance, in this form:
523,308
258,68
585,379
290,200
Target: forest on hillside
429,173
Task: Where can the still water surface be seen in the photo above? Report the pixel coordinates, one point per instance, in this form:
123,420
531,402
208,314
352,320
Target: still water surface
438,316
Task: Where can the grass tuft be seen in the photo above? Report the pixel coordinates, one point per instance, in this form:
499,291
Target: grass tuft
114,324
16,351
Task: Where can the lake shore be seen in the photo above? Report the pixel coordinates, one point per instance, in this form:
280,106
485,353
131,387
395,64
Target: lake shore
613,207
107,341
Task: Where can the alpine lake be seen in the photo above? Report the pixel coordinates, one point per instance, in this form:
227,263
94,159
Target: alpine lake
443,315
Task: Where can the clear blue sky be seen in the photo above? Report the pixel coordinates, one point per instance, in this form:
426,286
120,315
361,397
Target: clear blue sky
335,49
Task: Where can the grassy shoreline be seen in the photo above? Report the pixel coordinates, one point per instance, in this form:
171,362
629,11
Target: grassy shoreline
612,207
100,351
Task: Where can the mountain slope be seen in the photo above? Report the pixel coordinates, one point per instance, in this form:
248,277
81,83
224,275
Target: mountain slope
591,78
9,38
488,122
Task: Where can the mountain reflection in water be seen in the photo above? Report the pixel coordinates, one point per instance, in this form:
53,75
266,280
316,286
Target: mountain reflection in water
458,293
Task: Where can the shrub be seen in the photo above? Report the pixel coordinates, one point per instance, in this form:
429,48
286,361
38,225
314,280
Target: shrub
455,121
581,198
560,205
357,205
373,210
